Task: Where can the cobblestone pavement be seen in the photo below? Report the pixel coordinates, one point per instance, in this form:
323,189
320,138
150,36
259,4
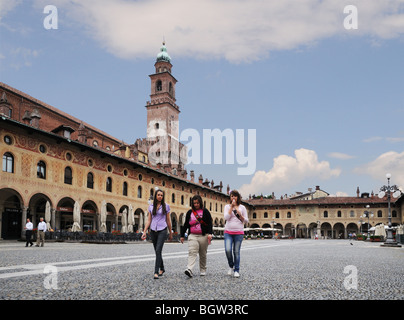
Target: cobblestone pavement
298,269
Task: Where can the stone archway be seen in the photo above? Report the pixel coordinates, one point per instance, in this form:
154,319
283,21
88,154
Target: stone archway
352,228
89,216
339,231
12,214
140,220
174,223
301,230
326,230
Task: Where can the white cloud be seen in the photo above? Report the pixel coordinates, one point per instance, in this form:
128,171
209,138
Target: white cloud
341,156
372,139
389,162
339,194
289,171
8,5
388,139
236,30
22,57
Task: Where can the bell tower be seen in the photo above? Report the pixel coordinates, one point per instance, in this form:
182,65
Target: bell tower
162,111
163,118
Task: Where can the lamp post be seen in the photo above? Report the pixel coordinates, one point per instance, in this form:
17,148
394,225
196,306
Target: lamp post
390,241
360,222
368,214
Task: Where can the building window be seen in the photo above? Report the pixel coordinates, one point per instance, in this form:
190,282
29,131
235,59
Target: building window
8,162
379,214
151,193
352,214
42,148
277,215
173,198
339,214
394,214
109,185
288,215
125,189
325,214
41,170
8,140
68,175
159,85
254,215
265,214
182,200
90,180
139,192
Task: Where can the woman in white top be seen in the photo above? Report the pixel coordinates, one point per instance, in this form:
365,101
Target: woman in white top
236,216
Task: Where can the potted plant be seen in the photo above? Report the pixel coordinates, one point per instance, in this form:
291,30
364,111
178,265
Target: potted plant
361,237
375,238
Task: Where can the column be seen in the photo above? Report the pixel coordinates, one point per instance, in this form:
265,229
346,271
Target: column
53,218
23,221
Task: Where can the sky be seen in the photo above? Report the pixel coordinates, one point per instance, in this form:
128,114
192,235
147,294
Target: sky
315,87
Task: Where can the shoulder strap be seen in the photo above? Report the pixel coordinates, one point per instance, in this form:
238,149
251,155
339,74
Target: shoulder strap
199,218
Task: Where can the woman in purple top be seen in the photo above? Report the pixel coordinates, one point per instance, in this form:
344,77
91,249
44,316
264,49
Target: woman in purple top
158,221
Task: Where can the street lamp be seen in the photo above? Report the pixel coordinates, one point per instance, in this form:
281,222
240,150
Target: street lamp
368,214
360,222
390,241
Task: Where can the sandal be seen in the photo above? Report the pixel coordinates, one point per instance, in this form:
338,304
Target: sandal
156,276
161,273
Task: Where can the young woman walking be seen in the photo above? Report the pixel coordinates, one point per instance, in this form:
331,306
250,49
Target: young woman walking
236,216
198,221
159,221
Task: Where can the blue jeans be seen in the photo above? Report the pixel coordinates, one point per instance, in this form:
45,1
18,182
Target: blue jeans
232,244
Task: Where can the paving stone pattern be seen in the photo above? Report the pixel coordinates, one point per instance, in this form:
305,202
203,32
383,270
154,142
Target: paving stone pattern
298,269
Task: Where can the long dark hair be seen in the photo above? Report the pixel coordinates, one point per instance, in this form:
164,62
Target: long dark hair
198,198
236,194
163,204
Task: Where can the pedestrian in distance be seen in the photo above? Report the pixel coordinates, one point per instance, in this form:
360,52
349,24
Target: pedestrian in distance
28,232
236,216
198,221
41,233
159,221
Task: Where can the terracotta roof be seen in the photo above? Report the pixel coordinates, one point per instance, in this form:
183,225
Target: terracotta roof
60,112
320,201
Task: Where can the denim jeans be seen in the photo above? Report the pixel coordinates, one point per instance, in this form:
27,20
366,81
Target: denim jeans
232,244
158,238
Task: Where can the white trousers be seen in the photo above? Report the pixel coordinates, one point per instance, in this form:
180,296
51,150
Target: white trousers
197,244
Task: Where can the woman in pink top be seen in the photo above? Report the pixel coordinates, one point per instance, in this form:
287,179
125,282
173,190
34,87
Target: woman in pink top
236,216
199,222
